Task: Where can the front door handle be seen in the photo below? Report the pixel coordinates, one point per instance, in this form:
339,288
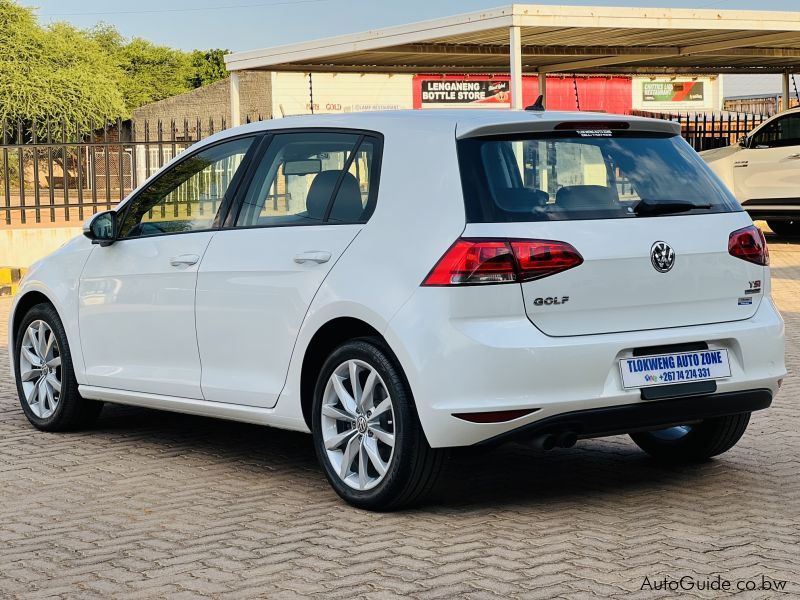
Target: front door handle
184,260
315,256
794,156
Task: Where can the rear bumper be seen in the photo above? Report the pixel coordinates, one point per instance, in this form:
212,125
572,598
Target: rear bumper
465,362
779,209
613,420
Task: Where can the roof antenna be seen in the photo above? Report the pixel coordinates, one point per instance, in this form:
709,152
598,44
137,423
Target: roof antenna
538,105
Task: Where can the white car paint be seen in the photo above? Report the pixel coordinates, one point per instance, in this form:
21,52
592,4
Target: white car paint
248,274
758,174
137,315
243,334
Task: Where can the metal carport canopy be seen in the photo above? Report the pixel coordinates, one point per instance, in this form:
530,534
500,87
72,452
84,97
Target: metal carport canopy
551,39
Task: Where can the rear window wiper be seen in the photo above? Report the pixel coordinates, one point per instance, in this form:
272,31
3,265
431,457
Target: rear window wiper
648,207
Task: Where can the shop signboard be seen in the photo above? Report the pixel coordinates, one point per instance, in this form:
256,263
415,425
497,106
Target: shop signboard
473,92
673,91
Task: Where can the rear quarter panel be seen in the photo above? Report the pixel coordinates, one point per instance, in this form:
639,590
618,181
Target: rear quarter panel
419,214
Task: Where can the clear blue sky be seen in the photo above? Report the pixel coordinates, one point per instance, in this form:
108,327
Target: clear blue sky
248,24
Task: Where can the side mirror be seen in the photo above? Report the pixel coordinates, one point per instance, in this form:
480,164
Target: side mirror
102,228
744,141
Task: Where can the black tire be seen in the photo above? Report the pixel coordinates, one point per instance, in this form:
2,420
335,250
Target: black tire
702,441
72,411
785,228
414,466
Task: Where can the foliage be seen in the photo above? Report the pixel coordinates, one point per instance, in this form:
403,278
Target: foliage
59,72
208,66
53,73
152,72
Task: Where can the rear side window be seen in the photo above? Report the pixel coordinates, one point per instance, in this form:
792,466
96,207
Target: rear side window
597,174
312,178
783,131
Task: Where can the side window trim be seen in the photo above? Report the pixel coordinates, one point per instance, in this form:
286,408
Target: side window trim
377,139
231,194
335,191
260,148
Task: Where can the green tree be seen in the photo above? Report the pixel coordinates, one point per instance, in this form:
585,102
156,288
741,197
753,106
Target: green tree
59,72
208,66
151,72
54,73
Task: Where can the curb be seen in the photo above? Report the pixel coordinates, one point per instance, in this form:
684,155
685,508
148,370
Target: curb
9,280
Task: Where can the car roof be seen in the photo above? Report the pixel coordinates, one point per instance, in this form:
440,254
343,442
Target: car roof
464,122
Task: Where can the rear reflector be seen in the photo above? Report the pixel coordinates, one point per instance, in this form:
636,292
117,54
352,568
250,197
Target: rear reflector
749,244
477,262
498,416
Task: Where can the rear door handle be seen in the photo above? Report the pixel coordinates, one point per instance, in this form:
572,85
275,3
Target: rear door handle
794,156
184,260
315,256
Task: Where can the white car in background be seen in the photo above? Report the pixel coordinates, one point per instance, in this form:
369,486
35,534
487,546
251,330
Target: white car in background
763,171
400,283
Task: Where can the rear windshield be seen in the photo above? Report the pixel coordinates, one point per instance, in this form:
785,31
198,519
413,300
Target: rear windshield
597,174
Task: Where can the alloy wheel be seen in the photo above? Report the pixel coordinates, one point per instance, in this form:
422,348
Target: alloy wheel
40,369
358,424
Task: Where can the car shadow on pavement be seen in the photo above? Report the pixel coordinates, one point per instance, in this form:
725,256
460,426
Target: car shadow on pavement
473,478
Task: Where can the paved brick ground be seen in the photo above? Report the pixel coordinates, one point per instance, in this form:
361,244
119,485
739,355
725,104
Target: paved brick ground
151,504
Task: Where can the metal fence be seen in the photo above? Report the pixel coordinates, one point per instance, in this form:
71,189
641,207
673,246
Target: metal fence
706,131
49,173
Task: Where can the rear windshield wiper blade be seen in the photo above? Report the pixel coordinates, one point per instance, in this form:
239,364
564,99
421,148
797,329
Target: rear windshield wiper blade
648,207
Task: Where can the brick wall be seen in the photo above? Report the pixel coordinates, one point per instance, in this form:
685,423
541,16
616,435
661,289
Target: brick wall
210,102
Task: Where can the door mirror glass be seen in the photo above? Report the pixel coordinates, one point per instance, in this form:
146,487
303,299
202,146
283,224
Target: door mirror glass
102,228
744,141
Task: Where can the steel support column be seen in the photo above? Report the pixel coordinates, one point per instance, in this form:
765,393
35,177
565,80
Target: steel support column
786,93
515,52
543,87
236,117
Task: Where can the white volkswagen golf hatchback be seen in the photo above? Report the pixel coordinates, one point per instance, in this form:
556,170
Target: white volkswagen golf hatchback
400,283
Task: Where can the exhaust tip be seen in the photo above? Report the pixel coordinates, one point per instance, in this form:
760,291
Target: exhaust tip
546,441
567,439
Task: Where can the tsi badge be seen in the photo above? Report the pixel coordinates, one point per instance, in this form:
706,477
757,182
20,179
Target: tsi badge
662,256
550,300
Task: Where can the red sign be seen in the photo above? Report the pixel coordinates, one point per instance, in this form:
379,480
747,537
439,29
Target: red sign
603,94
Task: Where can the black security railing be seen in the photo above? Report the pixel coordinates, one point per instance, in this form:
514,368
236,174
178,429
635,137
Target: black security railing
55,173
705,131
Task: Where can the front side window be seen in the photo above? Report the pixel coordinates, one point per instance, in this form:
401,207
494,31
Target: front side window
188,196
599,174
783,131
311,178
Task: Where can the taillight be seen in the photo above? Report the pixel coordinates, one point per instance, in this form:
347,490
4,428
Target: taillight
749,244
542,258
476,262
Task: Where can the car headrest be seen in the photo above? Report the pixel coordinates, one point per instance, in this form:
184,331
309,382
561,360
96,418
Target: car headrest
348,205
521,200
585,197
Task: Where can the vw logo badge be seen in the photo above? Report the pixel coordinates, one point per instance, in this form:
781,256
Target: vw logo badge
662,256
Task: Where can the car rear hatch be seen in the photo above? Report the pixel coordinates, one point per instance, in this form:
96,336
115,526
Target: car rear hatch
659,242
